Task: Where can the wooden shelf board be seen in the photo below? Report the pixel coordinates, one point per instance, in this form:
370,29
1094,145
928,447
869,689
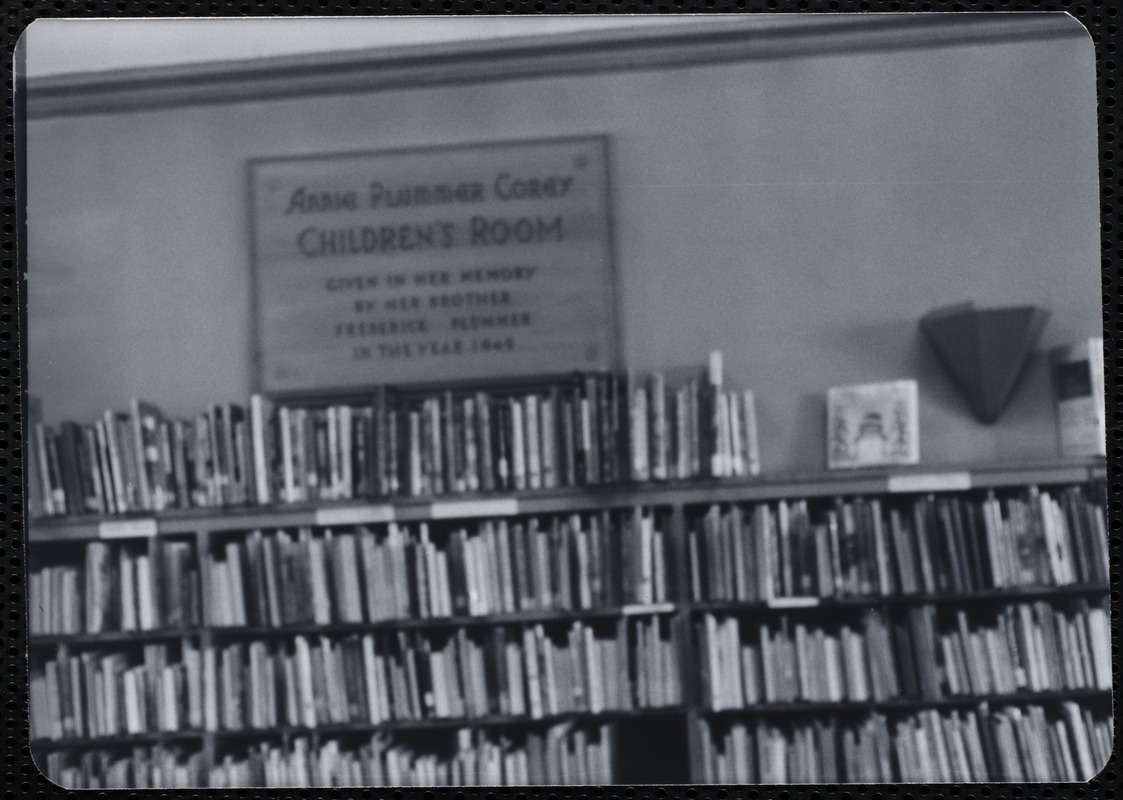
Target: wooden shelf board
921,479
112,637
451,723
531,617
904,705
875,601
93,743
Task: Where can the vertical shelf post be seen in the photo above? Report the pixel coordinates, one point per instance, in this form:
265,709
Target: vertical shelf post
682,634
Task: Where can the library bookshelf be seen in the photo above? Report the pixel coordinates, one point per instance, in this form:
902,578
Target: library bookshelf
673,644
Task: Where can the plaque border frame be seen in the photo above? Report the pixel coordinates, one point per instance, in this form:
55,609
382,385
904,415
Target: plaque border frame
613,361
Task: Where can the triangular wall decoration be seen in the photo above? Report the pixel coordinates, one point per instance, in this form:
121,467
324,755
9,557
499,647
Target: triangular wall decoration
984,351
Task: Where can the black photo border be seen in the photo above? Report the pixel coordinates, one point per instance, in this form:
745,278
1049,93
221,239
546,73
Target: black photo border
20,778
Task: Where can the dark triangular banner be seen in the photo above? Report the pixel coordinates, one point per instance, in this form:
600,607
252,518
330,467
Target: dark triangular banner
984,351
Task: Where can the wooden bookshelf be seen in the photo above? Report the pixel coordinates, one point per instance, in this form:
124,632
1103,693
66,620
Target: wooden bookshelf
680,613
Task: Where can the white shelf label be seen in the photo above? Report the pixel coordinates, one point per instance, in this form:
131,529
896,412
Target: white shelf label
657,608
489,507
126,528
353,515
792,602
933,482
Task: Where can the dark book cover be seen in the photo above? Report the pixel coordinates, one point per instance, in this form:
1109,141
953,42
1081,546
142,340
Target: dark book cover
458,588
952,555
485,440
450,475
239,456
69,468
255,563
414,579
424,455
363,480
902,642
422,646
603,431
397,452
127,449
619,458
407,647
521,567
1078,545
568,443
382,449
610,545
169,478
435,444
595,564
219,458
469,443
937,576
323,455
977,553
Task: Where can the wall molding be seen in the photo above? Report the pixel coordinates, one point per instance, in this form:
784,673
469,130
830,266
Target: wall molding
661,47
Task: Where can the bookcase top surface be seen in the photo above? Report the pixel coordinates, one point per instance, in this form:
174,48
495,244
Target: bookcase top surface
922,479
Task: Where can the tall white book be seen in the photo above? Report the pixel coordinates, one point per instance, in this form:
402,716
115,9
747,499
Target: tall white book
1078,379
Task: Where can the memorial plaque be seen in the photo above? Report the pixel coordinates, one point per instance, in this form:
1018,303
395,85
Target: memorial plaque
433,265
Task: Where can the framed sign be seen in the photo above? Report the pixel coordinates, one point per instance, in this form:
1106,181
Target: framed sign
437,264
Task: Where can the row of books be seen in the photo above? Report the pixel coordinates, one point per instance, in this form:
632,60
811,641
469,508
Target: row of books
931,545
593,429
563,754
92,695
1009,743
118,587
369,679
1024,647
599,560
145,767
581,561
1034,647
791,662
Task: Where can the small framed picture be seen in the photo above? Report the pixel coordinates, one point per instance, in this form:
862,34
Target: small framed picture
872,424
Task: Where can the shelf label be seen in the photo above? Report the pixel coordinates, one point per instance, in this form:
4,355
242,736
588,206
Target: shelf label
656,608
489,507
792,602
930,482
353,515
126,528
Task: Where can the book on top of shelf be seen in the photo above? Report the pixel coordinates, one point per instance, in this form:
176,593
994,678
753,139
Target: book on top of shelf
595,429
1078,381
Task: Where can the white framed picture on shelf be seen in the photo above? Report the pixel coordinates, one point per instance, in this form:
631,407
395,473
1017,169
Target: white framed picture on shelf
872,425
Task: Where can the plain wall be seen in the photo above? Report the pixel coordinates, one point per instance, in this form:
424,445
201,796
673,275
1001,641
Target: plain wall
799,214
